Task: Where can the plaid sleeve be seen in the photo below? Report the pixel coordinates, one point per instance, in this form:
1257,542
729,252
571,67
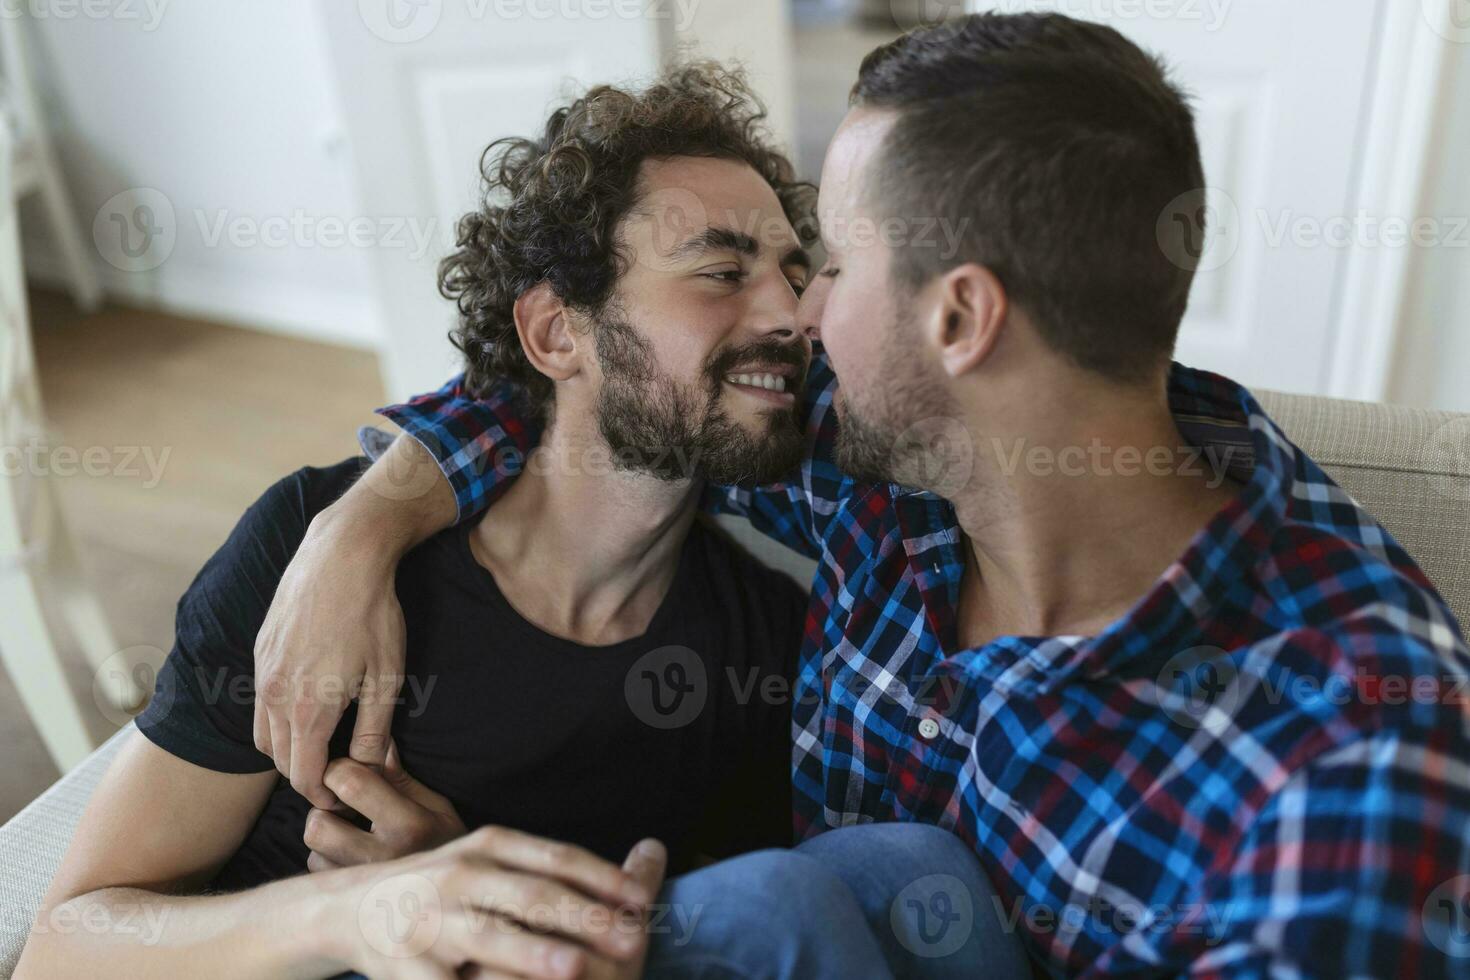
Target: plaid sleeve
479,443
796,512
1358,866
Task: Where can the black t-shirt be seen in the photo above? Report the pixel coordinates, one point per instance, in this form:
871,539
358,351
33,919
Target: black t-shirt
683,733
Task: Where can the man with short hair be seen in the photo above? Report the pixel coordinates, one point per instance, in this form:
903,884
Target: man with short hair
1092,613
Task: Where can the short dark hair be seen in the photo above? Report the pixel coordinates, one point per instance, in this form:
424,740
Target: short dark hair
551,205
1055,146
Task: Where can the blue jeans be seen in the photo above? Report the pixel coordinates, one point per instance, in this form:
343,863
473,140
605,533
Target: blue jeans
877,900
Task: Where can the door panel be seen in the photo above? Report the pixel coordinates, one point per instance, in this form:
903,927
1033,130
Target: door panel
425,86
1280,91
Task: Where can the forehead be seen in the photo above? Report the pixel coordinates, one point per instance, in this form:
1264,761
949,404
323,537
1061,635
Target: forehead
852,150
684,195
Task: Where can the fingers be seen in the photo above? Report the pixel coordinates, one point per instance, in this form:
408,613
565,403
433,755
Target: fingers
367,792
552,907
262,728
315,862
647,863
337,841
312,724
280,740
400,780
565,862
500,944
370,733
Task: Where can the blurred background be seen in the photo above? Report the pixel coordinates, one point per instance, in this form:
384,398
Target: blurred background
222,220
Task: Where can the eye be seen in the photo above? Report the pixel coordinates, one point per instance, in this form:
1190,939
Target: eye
830,271
729,275
798,287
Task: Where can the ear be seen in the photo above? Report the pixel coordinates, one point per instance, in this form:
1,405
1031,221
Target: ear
543,324
968,319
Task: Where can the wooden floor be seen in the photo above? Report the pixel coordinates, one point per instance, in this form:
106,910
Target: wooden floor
233,409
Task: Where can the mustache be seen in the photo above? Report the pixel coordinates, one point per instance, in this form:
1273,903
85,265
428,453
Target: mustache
768,351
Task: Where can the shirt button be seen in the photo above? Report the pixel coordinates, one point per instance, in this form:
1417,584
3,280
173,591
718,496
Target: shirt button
928,728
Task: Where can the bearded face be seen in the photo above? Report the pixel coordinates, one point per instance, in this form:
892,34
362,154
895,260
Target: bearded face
904,429
675,428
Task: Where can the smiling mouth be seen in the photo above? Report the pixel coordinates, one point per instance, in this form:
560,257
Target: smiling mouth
763,385
762,380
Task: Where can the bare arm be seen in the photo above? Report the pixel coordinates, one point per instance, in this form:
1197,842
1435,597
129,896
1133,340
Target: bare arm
158,827
157,823
335,628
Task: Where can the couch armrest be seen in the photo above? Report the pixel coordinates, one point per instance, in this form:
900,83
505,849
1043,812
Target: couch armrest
33,841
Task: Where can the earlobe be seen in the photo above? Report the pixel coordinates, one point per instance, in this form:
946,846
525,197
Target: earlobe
543,325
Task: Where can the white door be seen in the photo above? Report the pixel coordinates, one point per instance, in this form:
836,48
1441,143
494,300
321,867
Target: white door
425,86
1282,89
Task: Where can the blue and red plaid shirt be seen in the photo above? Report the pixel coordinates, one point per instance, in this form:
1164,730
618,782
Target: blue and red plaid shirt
1262,769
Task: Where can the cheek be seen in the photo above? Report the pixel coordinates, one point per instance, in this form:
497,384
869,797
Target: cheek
850,334
683,343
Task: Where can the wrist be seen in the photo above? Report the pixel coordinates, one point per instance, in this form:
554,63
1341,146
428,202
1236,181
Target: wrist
323,921
372,532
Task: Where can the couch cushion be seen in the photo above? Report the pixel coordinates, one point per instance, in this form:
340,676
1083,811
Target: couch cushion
33,841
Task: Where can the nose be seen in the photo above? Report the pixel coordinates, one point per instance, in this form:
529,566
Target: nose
809,309
775,312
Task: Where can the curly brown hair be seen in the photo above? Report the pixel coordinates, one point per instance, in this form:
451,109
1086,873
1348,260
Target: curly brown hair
551,205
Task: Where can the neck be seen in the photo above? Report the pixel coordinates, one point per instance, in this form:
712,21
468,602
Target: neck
584,551
1063,541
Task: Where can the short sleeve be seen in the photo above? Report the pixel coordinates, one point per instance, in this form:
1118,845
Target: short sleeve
203,703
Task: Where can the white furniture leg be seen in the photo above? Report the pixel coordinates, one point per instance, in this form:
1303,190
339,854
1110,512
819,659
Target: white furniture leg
37,169
34,665
33,537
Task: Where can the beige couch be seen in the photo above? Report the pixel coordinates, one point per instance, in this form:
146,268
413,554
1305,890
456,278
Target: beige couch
1409,468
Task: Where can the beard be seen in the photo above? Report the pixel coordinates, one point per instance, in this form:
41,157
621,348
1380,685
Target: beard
907,429
657,425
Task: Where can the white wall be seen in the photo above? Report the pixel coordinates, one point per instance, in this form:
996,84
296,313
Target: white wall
758,34
1432,368
224,108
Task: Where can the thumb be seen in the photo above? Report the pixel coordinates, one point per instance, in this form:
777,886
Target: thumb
647,863
400,780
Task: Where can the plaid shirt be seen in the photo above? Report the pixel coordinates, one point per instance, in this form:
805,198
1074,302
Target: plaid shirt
1262,769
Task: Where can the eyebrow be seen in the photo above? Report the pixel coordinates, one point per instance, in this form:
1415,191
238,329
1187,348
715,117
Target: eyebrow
727,239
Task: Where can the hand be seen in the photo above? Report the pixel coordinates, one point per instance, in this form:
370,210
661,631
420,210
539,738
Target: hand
407,816
646,864
504,902
334,630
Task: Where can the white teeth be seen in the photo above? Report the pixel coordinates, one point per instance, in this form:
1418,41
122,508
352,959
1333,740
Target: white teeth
770,382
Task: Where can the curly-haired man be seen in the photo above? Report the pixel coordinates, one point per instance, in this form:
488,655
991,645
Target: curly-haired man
578,680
